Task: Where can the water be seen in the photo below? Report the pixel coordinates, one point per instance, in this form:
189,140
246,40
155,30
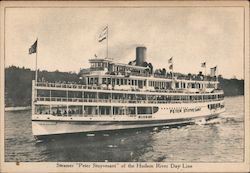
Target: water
218,141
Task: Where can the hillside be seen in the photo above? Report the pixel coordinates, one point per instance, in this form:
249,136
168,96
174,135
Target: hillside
18,84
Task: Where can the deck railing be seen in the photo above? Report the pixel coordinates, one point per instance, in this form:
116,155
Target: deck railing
90,100
98,87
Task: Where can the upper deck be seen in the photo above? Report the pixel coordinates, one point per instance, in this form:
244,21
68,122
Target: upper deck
101,88
103,66
140,75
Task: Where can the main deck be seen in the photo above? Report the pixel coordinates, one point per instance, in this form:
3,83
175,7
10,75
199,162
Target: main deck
83,100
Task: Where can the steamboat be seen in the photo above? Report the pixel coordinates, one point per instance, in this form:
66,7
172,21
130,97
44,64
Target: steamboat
115,96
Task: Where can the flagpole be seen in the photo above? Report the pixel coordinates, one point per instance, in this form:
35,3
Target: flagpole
205,70
172,68
217,77
107,41
205,75
205,67
36,59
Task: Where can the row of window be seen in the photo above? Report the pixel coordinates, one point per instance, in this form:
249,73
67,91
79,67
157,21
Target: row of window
123,81
121,96
94,110
215,106
111,67
99,64
156,84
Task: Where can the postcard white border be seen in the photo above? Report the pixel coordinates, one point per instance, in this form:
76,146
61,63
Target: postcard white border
196,167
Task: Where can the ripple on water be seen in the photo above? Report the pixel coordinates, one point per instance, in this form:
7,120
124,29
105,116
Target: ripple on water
219,140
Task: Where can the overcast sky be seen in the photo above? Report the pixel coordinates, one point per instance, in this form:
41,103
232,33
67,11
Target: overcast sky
68,37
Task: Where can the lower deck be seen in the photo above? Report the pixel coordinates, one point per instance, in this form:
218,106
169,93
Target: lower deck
67,110
125,112
101,118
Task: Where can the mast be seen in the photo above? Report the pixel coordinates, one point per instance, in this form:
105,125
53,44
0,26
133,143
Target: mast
172,70
171,67
205,68
36,61
107,41
217,78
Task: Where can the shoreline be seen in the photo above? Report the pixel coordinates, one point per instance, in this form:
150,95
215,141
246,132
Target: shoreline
17,108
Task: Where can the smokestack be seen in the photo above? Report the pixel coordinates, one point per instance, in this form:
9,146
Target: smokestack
140,55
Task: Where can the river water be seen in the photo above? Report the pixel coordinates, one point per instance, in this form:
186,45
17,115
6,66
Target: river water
221,140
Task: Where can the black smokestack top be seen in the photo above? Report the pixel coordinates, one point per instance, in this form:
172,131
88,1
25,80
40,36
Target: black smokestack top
140,55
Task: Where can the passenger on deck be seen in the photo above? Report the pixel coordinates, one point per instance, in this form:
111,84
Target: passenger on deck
58,112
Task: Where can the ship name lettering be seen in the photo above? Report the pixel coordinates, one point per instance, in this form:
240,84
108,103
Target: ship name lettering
192,109
175,110
83,165
97,165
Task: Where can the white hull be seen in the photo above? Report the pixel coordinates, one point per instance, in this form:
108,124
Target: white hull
171,114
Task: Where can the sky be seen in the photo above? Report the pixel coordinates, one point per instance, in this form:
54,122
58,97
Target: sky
68,37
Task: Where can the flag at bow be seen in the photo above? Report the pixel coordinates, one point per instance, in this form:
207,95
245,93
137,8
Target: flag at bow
103,35
32,49
170,60
213,71
203,64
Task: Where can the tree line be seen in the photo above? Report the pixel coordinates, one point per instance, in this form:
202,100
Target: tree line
18,83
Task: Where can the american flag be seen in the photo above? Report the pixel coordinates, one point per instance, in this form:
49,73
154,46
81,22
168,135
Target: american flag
32,49
104,34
